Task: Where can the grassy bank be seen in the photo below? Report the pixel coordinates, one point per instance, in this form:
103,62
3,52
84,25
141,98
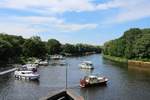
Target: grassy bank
138,63
133,62
116,59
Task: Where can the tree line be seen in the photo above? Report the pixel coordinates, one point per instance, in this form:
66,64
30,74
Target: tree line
134,44
14,49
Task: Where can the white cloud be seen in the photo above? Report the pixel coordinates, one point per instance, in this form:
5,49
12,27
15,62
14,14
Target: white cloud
18,29
32,25
76,27
129,10
138,10
58,6
51,6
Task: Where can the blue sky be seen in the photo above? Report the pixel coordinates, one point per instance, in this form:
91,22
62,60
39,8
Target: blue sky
73,21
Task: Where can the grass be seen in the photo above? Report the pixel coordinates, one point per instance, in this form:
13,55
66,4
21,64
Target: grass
117,59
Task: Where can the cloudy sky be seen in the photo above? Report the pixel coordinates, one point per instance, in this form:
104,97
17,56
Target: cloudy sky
73,21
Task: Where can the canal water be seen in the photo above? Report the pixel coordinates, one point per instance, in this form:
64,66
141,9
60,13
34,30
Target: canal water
125,83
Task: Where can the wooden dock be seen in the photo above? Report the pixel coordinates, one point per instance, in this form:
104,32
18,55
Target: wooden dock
63,95
8,71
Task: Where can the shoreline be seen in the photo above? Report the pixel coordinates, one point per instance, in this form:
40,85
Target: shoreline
138,63
129,62
116,59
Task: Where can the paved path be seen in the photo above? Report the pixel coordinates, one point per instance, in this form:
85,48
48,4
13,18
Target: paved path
7,71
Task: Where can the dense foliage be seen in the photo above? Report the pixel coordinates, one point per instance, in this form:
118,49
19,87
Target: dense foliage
53,46
14,49
34,47
134,44
80,49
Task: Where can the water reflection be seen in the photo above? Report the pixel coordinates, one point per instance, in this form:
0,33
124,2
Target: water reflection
22,81
87,71
139,69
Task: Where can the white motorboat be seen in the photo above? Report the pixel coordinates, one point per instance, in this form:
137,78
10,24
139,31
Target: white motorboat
30,75
86,65
43,63
30,67
57,57
93,80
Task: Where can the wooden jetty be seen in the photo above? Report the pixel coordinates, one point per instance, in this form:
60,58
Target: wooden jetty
63,95
7,71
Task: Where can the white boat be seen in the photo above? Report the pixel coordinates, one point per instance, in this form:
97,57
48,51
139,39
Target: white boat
86,65
92,80
30,75
57,57
30,67
43,63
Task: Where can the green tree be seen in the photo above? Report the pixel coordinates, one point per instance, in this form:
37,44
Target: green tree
142,47
69,48
54,46
34,47
5,51
130,37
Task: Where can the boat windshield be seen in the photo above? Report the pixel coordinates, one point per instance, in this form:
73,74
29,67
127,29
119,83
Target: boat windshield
27,72
87,62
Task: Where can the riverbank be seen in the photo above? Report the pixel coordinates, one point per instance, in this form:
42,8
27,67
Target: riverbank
116,59
129,62
138,63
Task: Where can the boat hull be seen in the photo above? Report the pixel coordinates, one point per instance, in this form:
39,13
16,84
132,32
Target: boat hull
94,84
27,77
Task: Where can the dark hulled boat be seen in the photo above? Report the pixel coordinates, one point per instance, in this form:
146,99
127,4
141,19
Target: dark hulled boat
92,80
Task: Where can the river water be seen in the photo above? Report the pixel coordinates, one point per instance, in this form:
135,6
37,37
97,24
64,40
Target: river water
125,83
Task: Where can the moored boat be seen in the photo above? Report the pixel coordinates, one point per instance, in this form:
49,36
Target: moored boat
92,80
43,63
57,57
86,65
30,75
29,67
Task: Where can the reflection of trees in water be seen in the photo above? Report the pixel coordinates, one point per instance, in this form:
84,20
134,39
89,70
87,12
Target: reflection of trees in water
114,63
5,82
5,79
139,74
91,92
139,70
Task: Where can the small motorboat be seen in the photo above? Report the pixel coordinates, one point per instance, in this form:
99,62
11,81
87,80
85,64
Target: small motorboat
43,63
29,67
92,80
86,65
57,57
30,75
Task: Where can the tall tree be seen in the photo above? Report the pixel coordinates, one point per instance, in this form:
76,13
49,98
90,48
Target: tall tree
54,46
34,47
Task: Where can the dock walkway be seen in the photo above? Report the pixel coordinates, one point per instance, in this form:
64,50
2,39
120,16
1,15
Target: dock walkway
63,95
7,71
